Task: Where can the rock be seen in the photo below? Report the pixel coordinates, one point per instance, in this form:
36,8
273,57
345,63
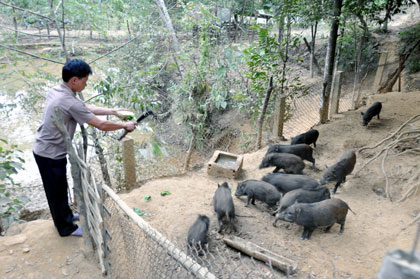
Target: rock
65,272
14,229
15,240
26,250
68,260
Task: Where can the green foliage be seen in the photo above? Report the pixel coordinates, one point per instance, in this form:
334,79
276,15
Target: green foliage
349,48
408,37
10,163
262,58
265,58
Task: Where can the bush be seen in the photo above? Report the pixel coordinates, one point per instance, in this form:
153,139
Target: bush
409,37
10,163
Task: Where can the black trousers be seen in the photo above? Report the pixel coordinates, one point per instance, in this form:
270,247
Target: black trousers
54,178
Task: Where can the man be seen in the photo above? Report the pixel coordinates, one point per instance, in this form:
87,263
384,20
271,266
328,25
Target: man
50,149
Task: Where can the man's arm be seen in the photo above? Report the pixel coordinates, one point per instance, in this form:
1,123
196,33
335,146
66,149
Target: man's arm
106,125
106,111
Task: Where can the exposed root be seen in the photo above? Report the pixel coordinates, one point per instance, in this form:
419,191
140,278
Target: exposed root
417,218
398,140
414,118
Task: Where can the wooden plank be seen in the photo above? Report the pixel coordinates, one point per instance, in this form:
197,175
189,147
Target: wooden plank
284,264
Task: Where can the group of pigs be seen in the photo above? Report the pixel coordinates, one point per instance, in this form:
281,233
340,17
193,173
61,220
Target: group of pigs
301,199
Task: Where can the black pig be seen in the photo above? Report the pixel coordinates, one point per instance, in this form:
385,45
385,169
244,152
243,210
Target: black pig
223,206
309,137
289,162
288,182
303,196
260,190
340,170
374,109
304,151
319,214
197,234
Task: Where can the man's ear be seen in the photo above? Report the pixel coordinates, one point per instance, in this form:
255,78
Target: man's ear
73,79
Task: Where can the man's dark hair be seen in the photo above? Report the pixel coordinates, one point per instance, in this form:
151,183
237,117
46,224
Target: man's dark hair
76,68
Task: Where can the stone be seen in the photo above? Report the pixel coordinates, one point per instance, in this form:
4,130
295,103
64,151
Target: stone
14,240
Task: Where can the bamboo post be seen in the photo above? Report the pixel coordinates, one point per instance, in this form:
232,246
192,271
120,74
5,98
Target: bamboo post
284,264
380,71
129,162
336,92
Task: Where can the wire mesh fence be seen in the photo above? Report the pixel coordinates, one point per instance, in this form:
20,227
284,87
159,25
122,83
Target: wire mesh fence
136,250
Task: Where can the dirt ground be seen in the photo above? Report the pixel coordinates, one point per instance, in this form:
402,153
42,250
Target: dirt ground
359,251
36,250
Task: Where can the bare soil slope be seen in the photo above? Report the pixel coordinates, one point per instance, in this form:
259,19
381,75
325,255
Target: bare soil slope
35,250
359,251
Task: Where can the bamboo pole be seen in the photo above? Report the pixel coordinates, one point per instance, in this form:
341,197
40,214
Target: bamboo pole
259,253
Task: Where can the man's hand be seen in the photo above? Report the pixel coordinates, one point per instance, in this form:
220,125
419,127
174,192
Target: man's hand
120,115
130,126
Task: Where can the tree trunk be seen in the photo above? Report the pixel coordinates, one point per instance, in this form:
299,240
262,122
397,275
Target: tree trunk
318,68
393,77
15,23
280,105
329,62
263,110
163,12
312,49
362,40
54,17
255,16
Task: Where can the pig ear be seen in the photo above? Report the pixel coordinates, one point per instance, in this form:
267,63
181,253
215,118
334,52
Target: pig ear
298,211
218,185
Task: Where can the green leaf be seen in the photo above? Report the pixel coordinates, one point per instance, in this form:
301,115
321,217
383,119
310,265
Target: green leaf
147,198
164,193
139,212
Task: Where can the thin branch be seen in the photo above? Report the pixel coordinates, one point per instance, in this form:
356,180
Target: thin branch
411,191
58,6
26,11
386,177
27,53
114,50
390,136
412,222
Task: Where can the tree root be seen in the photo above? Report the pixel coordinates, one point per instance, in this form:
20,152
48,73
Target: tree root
397,137
417,218
390,136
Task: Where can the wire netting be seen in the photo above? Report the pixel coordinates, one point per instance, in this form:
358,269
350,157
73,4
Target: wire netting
133,251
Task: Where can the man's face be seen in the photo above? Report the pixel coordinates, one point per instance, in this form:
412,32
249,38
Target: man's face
78,84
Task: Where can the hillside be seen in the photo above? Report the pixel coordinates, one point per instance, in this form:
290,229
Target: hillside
359,251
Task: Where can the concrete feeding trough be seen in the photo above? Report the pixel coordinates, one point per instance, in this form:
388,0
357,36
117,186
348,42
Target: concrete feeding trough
225,164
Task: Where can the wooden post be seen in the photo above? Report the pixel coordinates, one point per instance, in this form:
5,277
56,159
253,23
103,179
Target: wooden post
380,71
129,162
279,113
336,92
190,150
400,69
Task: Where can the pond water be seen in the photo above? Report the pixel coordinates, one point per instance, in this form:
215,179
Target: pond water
18,127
